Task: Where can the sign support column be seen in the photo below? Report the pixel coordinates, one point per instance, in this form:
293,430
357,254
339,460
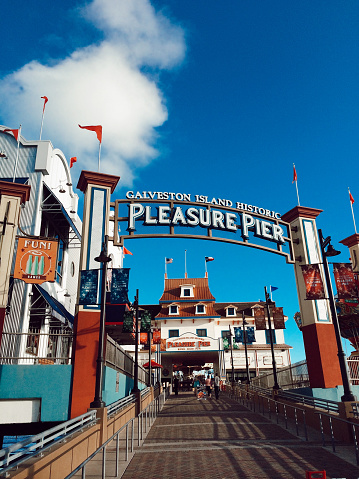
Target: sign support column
97,188
317,327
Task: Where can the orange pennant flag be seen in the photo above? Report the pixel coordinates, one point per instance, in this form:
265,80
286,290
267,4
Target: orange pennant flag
126,251
95,128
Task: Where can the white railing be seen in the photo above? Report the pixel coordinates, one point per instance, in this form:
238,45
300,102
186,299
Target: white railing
17,453
37,347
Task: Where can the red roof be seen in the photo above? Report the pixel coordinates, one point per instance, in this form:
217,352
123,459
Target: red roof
172,291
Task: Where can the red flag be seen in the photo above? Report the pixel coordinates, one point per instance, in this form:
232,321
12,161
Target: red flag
294,175
96,128
72,161
126,251
351,198
14,132
45,101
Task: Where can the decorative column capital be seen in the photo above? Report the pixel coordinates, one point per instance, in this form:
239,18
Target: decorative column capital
301,211
351,240
15,189
100,179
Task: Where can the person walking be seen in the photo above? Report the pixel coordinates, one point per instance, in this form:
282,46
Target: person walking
216,385
208,385
175,385
196,385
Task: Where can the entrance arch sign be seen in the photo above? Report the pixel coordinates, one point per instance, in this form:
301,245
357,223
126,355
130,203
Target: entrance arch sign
166,215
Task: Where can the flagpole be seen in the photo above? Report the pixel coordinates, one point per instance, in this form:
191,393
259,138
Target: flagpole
205,266
185,263
270,291
296,184
165,268
351,205
99,156
42,121
17,154
43,114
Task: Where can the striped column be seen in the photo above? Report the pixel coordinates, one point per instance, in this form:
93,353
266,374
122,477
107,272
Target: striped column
97,188
317,327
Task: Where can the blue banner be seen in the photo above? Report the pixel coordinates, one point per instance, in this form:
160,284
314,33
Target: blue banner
89,287
119,285
238,335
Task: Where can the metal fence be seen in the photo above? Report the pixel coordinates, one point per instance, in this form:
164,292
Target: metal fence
117,358
296,376
290,377
37,347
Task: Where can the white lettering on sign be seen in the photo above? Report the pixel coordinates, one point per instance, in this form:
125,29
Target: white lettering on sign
166,196
179,216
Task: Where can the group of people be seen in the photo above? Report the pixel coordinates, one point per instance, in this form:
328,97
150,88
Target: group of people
209,383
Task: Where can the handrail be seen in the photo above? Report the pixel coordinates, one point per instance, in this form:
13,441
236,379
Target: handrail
145,391
148,414
354,427
320,403
21,451
120,404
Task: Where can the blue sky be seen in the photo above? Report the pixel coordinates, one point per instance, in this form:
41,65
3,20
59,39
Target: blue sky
200,97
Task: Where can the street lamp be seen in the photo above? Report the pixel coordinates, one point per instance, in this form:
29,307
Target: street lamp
100,362
245,346
135,374
230,338
324,242
269,302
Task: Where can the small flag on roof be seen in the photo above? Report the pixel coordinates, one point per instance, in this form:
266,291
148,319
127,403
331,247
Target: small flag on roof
72,161
126,251
273,288
209,258
168,260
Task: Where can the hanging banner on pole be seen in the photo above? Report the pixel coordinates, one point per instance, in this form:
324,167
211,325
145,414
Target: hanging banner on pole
345,282
250,335
89,287
145,321
129,322
143,338
238,335
313,281
119,285
156,336
278,318
259,319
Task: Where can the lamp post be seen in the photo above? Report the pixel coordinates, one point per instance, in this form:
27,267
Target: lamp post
324,242
269,302
149,359
245,346
100,362
135,374
230,338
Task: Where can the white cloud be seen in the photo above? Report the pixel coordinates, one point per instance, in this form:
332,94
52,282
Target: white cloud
101,84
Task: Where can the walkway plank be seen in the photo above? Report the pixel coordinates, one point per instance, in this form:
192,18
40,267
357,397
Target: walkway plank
223,440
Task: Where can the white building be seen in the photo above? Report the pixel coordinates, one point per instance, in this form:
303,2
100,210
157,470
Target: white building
195,330
37,310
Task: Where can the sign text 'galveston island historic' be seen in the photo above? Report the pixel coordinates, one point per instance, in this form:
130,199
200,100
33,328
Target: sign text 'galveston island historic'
182,210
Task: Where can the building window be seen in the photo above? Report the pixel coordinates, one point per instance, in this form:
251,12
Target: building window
173,309
202,333
60,261
231,311
200,309
173,333
187,291
268,331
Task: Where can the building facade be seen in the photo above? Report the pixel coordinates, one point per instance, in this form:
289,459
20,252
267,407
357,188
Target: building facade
197,331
